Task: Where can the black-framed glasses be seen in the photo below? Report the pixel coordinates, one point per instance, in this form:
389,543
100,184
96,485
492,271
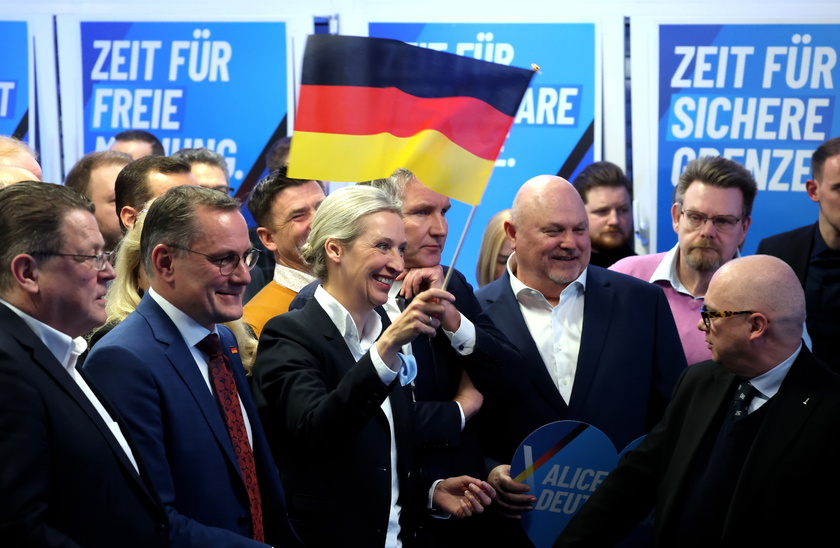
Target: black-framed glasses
722,223
228,263
707,314
100,260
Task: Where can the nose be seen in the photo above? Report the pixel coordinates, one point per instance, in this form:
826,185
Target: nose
396,262
701,325
612,218
439,225
241,274
108,273
708,228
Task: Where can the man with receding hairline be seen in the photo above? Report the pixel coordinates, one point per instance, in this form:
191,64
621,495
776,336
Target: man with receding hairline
747,452
146,178
599,347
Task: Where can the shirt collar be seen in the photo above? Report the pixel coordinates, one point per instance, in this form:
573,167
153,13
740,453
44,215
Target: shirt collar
667,271
769,383
65,348
191,331
343,321
521,290
291,278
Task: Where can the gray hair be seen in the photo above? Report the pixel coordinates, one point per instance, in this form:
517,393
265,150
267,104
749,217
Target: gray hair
342,217
719,172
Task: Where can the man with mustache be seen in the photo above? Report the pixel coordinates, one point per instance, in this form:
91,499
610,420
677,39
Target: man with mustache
607,195
711,214
597,346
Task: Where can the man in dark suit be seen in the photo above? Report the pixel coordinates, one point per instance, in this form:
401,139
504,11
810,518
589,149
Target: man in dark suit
176,377
813,252
726,470
599,347
71,475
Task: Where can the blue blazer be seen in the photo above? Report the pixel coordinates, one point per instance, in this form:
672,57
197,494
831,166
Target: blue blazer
146,368
629,362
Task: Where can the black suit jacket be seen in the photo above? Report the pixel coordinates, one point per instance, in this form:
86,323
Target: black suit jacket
780,497
331,439
629,360
793,247
64,479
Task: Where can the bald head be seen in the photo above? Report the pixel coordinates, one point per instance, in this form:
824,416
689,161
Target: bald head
764,284
549,231
12,175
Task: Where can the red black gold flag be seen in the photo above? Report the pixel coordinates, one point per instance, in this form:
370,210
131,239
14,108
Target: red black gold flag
368,106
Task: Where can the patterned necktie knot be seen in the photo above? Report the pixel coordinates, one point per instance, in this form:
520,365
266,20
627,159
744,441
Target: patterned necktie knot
211,345
743,396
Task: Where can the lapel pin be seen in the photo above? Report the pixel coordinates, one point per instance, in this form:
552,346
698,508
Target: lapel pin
806,401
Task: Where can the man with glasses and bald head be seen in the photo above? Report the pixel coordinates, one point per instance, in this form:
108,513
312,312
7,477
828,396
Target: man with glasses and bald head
711,214
177,378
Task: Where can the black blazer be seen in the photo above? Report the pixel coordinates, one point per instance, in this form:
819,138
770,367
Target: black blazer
329,435
793,247
780,497
64,479
629,361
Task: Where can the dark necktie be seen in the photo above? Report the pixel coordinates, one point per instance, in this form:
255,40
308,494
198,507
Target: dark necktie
743,396
224,387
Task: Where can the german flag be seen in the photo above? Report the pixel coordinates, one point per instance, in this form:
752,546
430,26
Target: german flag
368,106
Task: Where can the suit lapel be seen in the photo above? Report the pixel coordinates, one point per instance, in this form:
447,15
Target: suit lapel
181,359
791,407
597,305
45,359
504,310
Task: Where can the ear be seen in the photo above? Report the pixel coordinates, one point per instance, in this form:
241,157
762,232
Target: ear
162,259
813,189
26,273
267,239
747,223
334,250
758,325
675,216
510,232
128,215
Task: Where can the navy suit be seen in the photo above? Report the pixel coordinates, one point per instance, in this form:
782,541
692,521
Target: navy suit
146,368
629,361
793,247
782,494
64,481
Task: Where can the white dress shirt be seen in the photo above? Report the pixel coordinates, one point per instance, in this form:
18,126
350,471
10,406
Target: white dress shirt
556,330
359,344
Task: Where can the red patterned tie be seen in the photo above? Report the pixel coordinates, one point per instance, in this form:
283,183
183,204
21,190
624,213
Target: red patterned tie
228,396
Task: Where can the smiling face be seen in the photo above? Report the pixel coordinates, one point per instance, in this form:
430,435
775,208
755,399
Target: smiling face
610,216
73,291
195,285
550,235
361,273
424,215
705,249
292,210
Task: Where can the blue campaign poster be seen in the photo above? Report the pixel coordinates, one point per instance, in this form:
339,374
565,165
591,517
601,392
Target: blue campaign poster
555,128
760,94
219,85
14,80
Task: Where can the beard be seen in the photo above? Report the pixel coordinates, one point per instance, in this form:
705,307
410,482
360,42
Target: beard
700,259
610,239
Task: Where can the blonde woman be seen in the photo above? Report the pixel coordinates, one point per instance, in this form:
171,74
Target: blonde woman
495,250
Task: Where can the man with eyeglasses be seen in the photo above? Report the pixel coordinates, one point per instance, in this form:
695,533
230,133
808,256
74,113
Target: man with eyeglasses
813,252
711,214
746,454
71,473
177,378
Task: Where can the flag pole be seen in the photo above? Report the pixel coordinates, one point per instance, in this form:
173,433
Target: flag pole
458,249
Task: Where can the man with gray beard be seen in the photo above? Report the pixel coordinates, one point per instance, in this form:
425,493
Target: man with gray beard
711,214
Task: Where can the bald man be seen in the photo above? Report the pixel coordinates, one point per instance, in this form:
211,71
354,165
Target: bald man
599,347
12,175
722,470
16,153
